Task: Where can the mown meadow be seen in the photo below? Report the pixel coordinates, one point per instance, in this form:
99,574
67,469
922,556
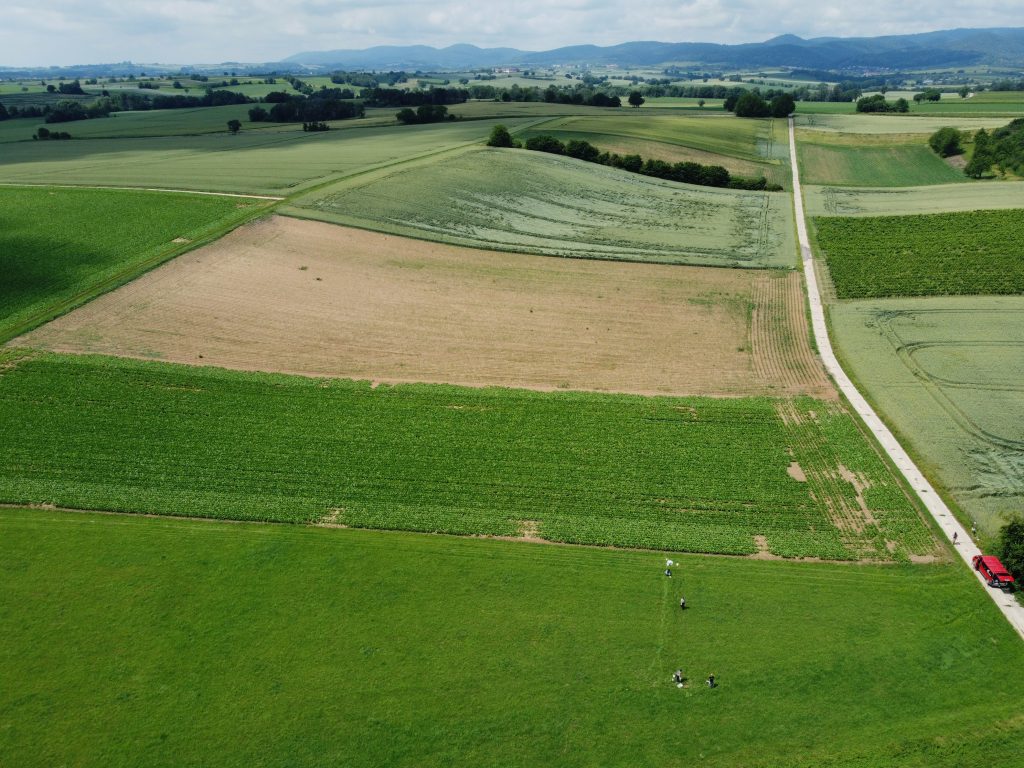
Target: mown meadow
133,641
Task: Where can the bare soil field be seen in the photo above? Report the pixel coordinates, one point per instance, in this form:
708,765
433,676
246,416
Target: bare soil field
316,299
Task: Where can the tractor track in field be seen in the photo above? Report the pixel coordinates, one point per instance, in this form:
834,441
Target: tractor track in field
937,508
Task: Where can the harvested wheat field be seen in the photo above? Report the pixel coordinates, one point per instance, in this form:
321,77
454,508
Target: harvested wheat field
317,299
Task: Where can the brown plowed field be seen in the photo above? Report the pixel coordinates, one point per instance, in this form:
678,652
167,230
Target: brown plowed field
316,299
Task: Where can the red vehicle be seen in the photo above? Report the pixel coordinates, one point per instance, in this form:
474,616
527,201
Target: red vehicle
993,571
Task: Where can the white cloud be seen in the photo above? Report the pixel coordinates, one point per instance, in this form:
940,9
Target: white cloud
183,31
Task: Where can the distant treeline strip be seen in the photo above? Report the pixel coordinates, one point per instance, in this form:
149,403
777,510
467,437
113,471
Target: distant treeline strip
685,173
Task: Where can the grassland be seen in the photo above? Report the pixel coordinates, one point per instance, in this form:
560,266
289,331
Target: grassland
973,252
61,247
832,159
255,161
696,474
945,198
293,296
126,638
537,203
947,373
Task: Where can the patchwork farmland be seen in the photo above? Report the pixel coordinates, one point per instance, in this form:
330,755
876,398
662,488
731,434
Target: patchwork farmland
446,410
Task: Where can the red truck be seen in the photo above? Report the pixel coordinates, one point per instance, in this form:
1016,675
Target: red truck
993,571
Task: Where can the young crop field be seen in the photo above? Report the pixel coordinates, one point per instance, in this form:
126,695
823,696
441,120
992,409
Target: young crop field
270,162
825,160
306,297
694,474
947,374
61,247
945,198
124,633
538,203
972,252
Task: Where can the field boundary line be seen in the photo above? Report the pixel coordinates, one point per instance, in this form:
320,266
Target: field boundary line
298,524
946,520
142,189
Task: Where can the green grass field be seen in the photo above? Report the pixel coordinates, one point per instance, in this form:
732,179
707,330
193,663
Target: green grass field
973,252
945,198
538,203
61,247
133,641
947,374
255,161
825,160
696,474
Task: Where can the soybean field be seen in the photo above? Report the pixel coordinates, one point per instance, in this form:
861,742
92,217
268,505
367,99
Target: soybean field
972,252
793,478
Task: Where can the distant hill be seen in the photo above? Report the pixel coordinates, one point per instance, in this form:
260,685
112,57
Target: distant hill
947,48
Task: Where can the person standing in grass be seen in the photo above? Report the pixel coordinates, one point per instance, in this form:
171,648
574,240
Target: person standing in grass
682,603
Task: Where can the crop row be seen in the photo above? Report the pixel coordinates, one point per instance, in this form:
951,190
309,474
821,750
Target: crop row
971,252
696,474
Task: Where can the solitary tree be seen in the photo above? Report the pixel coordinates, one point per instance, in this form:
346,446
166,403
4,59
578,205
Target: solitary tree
701,103
500,137
982,160
783,105
636,99
946,142
234,125
964,92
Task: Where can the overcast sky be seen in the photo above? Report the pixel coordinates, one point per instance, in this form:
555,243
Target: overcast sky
43,32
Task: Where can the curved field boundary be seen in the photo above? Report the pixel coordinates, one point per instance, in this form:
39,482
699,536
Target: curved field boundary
950,526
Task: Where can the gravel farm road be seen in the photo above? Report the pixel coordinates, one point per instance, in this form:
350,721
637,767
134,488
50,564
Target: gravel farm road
964,545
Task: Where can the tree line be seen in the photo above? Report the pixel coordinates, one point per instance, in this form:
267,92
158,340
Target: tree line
878,103
1002,149
686,172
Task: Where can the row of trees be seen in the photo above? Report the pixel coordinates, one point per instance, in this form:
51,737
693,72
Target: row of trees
687,173
322,105
1002,149
753,104
877,103
426,113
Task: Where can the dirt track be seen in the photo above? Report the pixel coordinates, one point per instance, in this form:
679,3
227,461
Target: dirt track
317,299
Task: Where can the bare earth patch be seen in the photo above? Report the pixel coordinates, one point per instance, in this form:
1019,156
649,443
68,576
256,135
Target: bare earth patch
317,299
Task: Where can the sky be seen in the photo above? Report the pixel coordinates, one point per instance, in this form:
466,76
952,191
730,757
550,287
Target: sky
62,32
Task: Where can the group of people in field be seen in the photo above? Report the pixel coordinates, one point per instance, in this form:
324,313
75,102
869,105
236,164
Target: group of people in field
677,677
